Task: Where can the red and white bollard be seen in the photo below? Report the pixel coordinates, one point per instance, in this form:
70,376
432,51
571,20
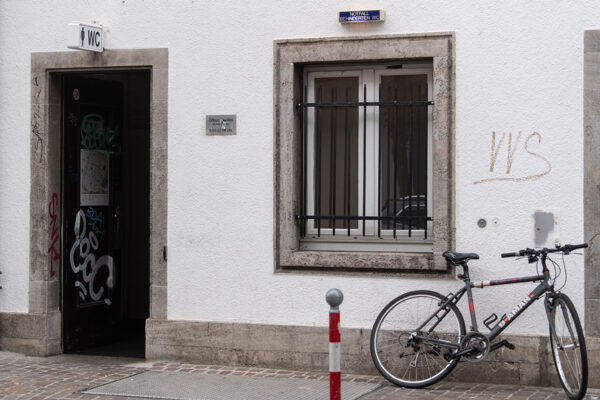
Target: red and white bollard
334,298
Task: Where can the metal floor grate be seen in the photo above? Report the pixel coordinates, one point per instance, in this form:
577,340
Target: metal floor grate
190,386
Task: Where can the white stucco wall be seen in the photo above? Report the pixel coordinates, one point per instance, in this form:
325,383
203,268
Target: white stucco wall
519,68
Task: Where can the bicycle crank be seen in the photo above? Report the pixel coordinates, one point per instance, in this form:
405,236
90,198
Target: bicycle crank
474,347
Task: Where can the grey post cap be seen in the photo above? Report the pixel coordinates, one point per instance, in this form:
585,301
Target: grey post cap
334,297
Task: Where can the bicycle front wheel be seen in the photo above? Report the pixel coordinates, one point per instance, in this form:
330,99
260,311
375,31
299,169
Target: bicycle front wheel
413,338
568,347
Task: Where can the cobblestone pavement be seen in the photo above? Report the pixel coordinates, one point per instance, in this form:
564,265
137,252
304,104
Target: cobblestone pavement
65,376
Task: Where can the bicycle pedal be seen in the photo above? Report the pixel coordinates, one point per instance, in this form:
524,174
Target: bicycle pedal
502,343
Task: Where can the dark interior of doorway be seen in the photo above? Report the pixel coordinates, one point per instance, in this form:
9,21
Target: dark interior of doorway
128,338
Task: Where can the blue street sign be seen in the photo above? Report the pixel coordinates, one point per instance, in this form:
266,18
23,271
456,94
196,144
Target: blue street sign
362,16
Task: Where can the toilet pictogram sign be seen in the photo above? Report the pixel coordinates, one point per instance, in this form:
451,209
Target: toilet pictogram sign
85,37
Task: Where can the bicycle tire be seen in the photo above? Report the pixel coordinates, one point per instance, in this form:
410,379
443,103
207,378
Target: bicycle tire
569,352
393,357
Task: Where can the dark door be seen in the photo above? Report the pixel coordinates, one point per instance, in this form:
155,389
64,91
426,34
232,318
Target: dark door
92,257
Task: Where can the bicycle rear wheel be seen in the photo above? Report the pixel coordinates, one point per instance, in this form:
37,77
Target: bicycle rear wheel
568,347
409,362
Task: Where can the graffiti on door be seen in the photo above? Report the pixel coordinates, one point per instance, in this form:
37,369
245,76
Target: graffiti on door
95,135
88,265
95,220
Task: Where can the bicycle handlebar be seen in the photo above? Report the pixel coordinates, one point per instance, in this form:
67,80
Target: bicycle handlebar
576,246
567,248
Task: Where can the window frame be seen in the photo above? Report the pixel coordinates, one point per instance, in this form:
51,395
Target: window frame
371,76
310,74
291,57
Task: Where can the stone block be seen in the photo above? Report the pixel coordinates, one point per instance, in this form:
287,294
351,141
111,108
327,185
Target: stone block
158,301
276,359
38,258
157,58
39,88
22,326
592,278
280,338
531,374
29,347
527,349
484,371
592,320
158,265
53,293
196,354
591,41
53,347
54,87
53,326
189,333
593,353
38,296
159,111
355,362
160,84
53,150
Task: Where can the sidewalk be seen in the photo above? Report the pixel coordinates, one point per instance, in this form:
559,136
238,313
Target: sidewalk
68,376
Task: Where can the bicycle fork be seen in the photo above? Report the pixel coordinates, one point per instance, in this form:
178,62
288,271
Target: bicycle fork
548,303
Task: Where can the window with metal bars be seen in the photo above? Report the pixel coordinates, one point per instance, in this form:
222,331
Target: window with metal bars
367,153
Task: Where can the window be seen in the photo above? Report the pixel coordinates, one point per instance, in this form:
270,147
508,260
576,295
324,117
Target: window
364,133
367,165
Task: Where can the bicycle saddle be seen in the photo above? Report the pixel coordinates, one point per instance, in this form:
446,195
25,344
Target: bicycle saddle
460,257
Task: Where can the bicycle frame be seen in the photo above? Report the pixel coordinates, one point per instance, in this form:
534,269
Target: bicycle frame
546,285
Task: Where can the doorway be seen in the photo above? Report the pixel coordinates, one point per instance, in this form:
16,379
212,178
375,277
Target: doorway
105,192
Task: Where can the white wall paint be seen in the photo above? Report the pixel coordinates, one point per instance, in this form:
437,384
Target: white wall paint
519,69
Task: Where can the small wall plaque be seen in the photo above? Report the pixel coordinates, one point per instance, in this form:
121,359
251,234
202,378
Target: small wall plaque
221,125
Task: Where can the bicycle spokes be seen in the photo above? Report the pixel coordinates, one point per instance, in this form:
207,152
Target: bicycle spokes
417,356
568,348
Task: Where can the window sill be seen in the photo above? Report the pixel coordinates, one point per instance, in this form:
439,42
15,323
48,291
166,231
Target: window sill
353,244
361,261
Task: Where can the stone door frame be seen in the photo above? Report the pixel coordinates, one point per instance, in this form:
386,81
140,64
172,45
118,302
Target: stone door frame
44,269
591,198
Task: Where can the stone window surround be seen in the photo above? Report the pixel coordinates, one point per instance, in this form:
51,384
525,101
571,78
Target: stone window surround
289,58
45,150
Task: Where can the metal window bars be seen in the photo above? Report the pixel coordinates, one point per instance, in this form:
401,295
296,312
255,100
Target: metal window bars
400,211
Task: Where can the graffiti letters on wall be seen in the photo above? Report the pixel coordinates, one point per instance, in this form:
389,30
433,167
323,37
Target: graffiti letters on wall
53,251
512,147
88,267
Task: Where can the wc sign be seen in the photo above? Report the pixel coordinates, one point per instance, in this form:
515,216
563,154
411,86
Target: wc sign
85,37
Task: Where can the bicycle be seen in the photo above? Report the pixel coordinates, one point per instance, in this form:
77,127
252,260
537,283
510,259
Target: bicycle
419,337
